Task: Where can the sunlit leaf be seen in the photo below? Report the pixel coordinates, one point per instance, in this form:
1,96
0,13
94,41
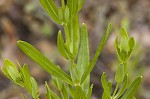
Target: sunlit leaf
79,94
80,4
132,88
73,7
26,78
73,28
89,92
119,76
123,87
35,89
64,92
50,94
61,47
84,56
98,51
66,14
51,9
46,64
131,43
105,85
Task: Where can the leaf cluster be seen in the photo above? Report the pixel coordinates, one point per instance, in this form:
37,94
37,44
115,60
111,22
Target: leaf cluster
74,48
123,89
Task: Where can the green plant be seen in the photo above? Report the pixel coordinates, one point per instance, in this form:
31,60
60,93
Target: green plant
74,48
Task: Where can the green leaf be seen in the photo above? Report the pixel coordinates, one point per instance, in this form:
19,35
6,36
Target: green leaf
124,44
50,94
8,62
74,73
51,9
120,73
73,28
83,56
118,50
14,74
35,89
4,70
79,94
26,78
80,4
124,33
132,88
105,85
89,92
73,7
123,88
110,85
104,95
66,14
131,43
60,14
57,83
133,98
71,90
61,47
98,51
64,92
35,55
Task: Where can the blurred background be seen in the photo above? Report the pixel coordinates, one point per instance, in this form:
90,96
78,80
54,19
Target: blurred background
26,20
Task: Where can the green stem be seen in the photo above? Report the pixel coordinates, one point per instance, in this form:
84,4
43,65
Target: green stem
117,86
63,3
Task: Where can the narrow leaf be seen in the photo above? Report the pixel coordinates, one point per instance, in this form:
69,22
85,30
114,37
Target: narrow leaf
80,4
73,7
79,94
132,88
110,85
119,76
8,62
61,46
57,83
84,56
123,88
124,44
131,43
26,78
66,14
73,28
35,55
99,49
71,90
118,50
35,89
64,92
105,85
60,14
124,32
89,92
51,9
14,74
4,70
50,94
74,73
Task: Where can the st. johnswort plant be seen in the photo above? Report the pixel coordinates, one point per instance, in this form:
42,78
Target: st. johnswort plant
75,48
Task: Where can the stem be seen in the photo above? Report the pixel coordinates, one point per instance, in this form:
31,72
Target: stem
117,86
63,3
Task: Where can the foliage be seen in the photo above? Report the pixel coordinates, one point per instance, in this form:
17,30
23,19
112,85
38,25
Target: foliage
75,48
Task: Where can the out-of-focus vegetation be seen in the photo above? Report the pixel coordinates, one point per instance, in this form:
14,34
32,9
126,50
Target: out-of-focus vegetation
25,20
